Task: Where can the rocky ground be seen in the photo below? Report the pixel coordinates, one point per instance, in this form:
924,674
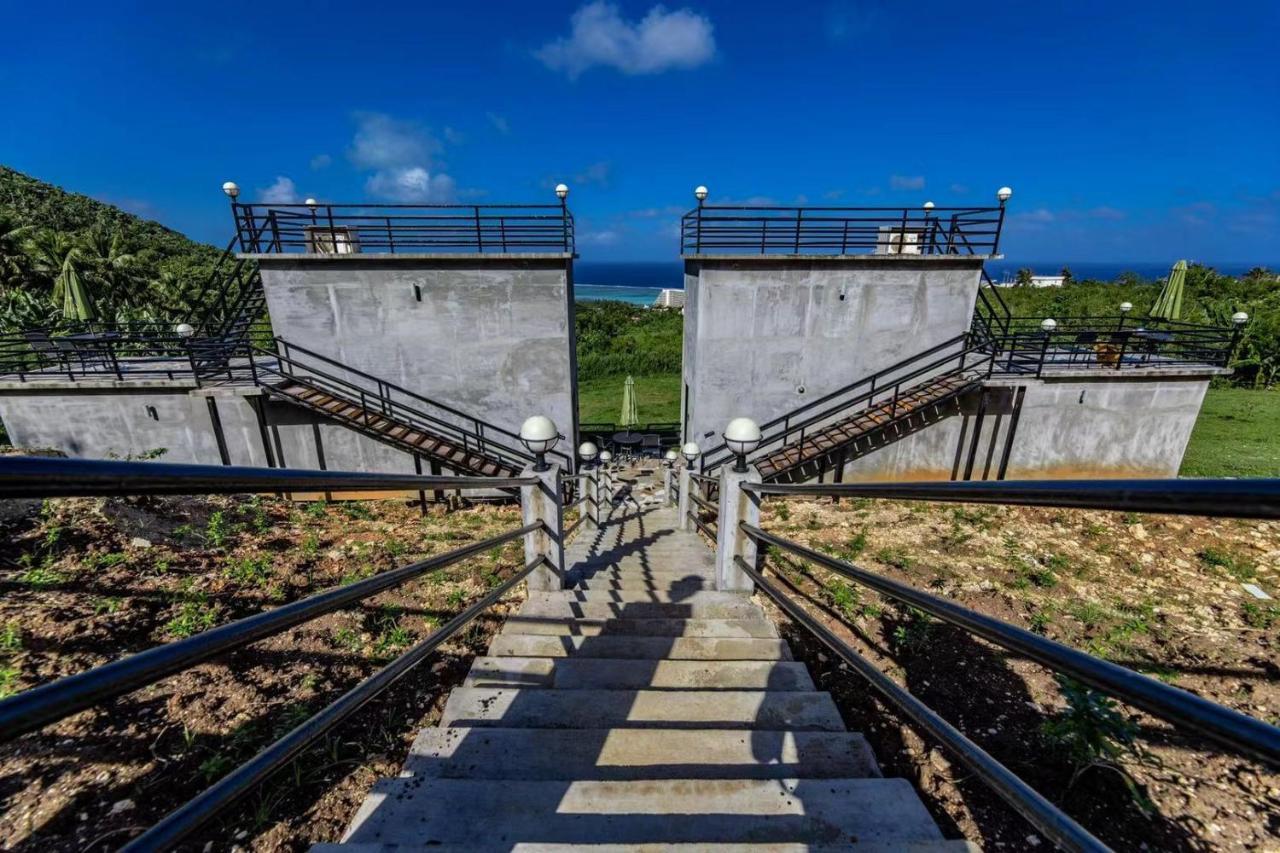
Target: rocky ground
88,581
1164,595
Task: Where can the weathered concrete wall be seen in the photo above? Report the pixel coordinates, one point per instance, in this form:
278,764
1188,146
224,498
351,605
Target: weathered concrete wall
489,335
758,330
1083,426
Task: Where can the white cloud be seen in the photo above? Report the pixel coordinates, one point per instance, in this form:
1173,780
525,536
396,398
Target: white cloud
960,189
383,142
499,123
906,182
606,237
411,184
321,161
659,41
282,191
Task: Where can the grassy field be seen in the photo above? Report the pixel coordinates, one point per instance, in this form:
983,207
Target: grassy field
657,399
1237,435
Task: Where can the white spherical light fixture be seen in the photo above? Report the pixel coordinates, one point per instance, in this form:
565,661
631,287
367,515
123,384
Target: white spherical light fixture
587,451
670,456
231,189
184,330
1126,307
1239,318
700,194
605,457
691,451
928,205
562,191
312,203
1048,324
742,435
1004,194
539,434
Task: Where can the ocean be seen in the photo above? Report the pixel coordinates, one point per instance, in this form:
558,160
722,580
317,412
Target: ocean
639,282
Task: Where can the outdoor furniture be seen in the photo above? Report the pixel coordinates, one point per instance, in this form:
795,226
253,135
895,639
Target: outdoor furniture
652,445
626,442
1083,346
93,349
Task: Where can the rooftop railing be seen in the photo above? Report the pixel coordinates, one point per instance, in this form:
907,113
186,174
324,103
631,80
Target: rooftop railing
746,562
716,229
343,229
27,477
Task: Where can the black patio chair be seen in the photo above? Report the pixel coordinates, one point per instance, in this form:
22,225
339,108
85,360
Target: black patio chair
651,445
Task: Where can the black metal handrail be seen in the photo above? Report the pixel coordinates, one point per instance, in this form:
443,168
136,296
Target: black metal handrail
1251,498
30,710
1029,349
886,382
1236,498
96,351
378,397
841,230
337,229
1056,824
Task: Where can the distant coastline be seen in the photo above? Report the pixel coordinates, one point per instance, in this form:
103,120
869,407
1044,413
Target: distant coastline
639,282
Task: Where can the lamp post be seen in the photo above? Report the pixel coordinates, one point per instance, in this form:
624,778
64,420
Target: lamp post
539,435
700,193
742,435
562,193
1125,308
690,452
1047,325
1238,320
1002,195
927,237
184,330
312,204
588,452
232,190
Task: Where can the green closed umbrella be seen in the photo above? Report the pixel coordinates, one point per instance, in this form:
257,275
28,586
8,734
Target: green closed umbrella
77,304
629,415
1169,303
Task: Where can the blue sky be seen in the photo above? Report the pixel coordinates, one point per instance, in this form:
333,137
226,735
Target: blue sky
1128,131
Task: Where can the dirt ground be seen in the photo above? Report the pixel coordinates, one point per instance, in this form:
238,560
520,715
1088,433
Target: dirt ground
1161,594
88,581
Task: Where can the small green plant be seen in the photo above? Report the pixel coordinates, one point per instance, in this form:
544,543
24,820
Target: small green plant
195,614
317,510
843,597
1234,565
11,639
783,511
108,605
219,530
1090,613
41,577
1092,733
53,537
215,767
1257,615
1131,518
912,632
255,515
896,556
347,638
8,680
456,597
397,548
253,571
106,560
356,511
1041,619
854,547
310,546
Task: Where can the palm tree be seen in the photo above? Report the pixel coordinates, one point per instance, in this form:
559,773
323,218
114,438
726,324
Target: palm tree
113,264
56,255
14,262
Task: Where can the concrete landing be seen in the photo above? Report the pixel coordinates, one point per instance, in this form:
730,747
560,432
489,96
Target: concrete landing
640,710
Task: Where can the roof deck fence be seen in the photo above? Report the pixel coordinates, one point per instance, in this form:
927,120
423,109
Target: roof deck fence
749,230
347,229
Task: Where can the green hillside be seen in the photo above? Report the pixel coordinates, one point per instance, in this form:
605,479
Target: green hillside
134,269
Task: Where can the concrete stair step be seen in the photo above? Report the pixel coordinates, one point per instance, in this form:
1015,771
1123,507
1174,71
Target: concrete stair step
505,707
702,847
638,648
572,754
684,594
732,606
608,674
492,814
668,583
757,627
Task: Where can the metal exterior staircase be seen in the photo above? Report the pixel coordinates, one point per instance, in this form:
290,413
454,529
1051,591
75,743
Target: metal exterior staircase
867,414
870,428
640,710
388,413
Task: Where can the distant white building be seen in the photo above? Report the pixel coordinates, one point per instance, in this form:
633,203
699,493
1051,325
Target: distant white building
1036,281
669,298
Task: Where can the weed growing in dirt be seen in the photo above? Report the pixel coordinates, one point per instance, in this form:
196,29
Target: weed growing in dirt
783,511
42,576
219,530
310,545
195,614
1092,733
1257,615
1041,618
107,605
105,560
1233,564
356,511
979,517
316,510
10,645
252,571
843,597
913,630
897,557
1089,612
456,597
11,639
347,638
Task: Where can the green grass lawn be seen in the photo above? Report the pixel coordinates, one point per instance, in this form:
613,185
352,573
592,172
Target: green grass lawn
1236,435
657,399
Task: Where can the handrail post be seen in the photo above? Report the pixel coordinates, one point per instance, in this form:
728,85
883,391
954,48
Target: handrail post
542,504
591,487
682,506
736,506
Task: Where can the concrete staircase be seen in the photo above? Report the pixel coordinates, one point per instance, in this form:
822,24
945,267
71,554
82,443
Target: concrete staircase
641,710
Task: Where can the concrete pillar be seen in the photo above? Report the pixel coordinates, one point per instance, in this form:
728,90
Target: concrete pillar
541,502
591,488
686,483
666,484
736,505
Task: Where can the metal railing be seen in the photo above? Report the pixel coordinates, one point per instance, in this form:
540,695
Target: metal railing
841,230
379,399
1239,732
40,706
75,351
1108,344
953,356
342,229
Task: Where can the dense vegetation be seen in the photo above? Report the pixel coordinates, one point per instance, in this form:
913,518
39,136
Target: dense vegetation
133,268
617,339
1209,298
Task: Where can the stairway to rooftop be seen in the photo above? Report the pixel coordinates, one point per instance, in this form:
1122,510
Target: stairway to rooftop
640,709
